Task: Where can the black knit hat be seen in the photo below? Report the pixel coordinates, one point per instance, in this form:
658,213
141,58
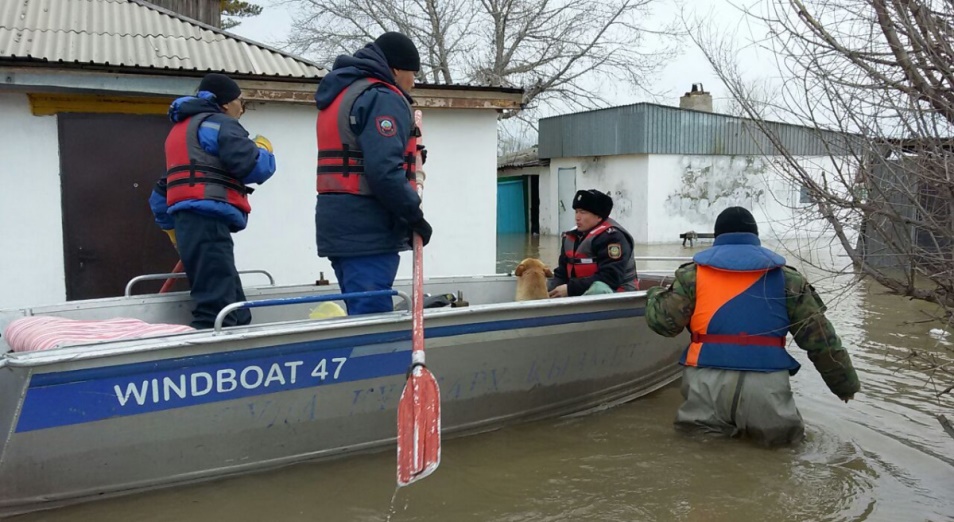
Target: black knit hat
593,201
224,88
400,51
735,219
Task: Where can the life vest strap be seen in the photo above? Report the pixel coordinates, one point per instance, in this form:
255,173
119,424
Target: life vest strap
194,167
335,154
211,179
581,260
743,339
338,169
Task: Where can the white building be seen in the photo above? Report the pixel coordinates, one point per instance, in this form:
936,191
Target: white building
672,170
84,89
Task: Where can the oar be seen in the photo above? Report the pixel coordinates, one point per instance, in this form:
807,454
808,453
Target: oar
171,281
419,410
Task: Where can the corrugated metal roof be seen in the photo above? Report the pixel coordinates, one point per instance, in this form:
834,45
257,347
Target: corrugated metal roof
646,128
127,33
522,158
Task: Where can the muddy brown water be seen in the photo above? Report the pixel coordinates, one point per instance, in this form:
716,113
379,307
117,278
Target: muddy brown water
882,457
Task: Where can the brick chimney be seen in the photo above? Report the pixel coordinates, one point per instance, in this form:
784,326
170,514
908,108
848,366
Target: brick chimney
696,99
208,12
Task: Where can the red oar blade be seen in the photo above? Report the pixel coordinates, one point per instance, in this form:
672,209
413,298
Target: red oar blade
419,427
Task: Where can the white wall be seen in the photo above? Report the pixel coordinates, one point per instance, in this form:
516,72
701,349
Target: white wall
659,197
549,200
459,196
622,177
459,200
691,191
31,267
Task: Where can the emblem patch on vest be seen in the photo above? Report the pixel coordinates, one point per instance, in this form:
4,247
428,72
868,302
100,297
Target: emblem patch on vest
386,126
615,250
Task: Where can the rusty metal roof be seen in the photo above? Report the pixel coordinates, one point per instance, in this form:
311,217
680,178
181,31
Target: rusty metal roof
520,159
136,35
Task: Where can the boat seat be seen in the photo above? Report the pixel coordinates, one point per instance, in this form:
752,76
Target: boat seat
34,333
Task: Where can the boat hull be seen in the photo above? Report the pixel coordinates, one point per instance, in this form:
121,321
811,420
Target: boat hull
133,415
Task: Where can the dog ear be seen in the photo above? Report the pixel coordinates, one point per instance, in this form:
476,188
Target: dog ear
519,270
547,272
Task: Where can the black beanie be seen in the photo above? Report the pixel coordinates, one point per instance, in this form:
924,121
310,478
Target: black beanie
593,201
224,88
400,51
735,219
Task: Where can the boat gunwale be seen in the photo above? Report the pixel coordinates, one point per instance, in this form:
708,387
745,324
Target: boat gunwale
122,347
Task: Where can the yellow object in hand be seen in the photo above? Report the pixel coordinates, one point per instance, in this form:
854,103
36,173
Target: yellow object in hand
263,143
172,237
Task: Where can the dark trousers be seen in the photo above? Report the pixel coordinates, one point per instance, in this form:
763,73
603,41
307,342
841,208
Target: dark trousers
363,274
206,250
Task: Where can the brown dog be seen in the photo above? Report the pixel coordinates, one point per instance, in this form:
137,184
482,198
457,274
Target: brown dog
532,277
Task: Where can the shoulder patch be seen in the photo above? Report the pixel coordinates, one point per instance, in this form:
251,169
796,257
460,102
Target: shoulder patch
615,250
386,126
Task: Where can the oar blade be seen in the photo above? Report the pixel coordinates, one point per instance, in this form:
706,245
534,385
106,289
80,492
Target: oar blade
419,427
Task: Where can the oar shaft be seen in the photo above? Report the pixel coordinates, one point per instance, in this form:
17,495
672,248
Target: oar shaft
169,282
417,345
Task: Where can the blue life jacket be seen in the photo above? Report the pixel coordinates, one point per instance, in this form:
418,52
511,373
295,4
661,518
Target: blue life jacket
740,319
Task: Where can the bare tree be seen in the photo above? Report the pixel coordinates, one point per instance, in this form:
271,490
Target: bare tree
547,47
879,73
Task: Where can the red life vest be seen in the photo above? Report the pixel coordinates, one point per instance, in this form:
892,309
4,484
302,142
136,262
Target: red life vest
340,160
581,262
194,174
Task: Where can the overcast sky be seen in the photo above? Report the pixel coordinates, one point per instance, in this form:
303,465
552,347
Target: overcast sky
673,81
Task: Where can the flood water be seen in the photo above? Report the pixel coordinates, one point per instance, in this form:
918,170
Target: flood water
882,457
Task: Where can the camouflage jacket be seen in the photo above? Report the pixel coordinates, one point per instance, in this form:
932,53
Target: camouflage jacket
669,310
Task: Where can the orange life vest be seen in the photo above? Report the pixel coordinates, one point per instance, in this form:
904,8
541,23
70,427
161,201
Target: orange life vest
740,319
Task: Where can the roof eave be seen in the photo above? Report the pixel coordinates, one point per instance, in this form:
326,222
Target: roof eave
45,76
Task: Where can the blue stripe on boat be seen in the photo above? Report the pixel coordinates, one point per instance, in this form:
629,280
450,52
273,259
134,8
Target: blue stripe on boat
88,395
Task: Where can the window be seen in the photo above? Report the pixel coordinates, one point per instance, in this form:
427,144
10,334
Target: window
804,196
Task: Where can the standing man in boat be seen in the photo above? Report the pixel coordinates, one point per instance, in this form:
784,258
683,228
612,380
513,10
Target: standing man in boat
739,300
203,198
597,255
366,211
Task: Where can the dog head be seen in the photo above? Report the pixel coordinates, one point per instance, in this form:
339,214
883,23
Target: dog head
531,265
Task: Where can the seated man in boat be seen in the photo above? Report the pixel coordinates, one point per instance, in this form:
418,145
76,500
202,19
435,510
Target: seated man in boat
597,255
203,198
739,300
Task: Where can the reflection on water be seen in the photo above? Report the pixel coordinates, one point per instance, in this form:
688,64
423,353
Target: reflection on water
883,457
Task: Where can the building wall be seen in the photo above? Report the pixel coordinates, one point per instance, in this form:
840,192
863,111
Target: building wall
624,178
657,197
459,200
691,191
31,270
460,196
549,222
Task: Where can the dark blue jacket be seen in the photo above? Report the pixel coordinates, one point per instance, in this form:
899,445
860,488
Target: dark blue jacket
222,136
349,225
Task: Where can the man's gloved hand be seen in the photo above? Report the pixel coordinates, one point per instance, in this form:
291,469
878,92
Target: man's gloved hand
423,229
172,237
263,143
423,150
